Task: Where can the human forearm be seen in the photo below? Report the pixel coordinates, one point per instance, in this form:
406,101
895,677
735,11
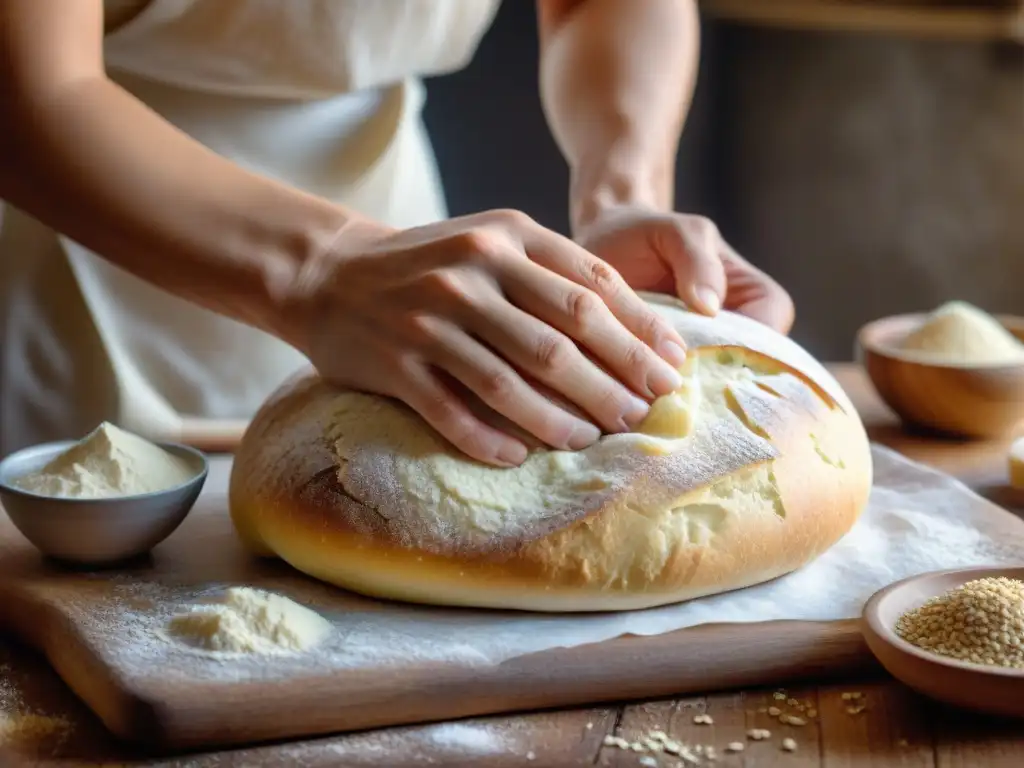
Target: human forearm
617,77
96,164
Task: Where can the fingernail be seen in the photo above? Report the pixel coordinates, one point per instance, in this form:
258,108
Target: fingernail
635,413
674,353
583,435
664,379
709,298
512,454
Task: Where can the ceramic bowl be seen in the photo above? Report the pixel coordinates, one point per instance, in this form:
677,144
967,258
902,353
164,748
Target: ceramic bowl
985,689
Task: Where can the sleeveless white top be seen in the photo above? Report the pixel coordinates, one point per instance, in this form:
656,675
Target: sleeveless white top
322,94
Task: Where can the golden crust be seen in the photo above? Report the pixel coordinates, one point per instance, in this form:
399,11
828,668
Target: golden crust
797,491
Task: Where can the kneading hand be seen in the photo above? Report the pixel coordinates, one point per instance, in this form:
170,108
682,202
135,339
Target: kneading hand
495,305
686,255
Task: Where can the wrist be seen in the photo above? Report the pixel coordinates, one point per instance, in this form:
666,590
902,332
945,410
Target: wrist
615,181
298,290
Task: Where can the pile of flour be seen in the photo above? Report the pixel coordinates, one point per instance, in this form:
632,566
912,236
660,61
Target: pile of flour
247,620
961,334
109,462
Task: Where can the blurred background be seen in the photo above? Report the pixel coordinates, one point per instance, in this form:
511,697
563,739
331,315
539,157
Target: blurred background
868,154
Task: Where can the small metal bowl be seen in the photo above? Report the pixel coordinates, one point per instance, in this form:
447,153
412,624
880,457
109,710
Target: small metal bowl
96,531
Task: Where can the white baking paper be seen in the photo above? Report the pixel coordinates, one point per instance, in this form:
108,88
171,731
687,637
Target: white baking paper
918,520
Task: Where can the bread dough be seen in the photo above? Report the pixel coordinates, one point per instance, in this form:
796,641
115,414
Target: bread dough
755,466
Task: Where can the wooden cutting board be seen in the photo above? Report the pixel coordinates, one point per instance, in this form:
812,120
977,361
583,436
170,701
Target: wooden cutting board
387,664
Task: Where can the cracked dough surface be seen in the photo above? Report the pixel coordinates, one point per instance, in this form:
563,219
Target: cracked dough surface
754,467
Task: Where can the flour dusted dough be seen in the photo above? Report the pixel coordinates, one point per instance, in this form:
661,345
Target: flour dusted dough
754,467
247,620
109,462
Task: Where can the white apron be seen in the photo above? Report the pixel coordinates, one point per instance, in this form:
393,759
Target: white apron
321,94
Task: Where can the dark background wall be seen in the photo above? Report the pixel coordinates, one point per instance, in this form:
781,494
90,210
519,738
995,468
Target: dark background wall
869,174
495,148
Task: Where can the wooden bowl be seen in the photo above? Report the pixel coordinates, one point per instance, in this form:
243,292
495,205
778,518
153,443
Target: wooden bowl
991,690
985,401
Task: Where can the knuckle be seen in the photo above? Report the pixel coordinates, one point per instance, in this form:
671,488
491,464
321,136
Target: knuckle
449,285
652,327
442,281
603,278
583,306
511,218
499,386
476,244
704,226
636,356
554,352
422,328
441,409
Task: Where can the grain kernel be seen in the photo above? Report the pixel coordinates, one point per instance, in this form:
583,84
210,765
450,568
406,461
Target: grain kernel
981,622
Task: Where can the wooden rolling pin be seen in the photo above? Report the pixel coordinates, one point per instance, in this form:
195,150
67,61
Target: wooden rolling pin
211,435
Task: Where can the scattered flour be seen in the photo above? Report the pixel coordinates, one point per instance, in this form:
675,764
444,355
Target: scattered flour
27,731
962,334
480,738
248,620
31,729
109,462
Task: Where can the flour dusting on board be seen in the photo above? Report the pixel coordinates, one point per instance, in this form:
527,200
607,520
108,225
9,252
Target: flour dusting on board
917,521
25,730
455,743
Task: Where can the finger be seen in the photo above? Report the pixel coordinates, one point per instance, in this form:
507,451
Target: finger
421,390
572,262
692,248
583,316
501,388
550,357
756,294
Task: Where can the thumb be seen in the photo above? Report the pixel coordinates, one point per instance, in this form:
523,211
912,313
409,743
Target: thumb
692,252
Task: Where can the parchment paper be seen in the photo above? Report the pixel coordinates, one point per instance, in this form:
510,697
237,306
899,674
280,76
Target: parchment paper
918,520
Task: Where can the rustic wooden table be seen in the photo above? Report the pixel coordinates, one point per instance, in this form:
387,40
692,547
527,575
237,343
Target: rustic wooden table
885,725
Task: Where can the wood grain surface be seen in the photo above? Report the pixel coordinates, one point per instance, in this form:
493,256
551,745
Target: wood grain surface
894,728
980,21
73,618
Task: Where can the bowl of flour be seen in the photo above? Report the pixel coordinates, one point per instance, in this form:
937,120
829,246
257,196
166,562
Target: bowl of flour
103,499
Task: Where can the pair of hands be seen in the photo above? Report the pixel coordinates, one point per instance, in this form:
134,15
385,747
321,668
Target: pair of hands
545,332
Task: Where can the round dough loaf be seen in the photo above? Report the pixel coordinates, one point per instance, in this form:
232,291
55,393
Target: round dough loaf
755,467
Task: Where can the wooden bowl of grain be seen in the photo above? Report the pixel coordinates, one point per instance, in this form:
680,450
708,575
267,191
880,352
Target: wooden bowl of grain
965,399
982,687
